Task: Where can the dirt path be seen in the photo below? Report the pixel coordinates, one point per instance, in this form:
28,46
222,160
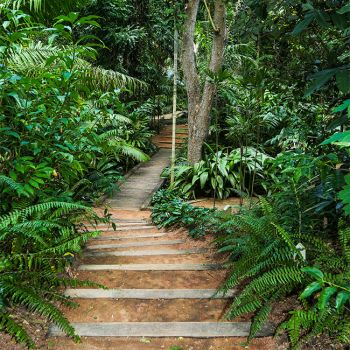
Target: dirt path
161,286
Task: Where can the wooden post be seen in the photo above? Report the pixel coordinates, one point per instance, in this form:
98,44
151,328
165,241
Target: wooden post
173,146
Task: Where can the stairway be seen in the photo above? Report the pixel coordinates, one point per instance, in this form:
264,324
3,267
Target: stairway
164,138
161,294
161,286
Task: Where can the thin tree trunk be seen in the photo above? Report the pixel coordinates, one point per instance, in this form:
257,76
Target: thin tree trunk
200,102
173,141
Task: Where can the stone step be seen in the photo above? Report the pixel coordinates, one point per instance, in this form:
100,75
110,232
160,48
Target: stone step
148,259
129,240
147,252
129,222
163,329
136,244
166,140
118,238
147,294
150,267
166,146
124,228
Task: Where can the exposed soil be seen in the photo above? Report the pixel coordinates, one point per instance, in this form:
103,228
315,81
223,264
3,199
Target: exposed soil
165,344
156,279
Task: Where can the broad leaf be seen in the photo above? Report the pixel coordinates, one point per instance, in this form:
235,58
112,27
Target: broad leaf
313,271
325,296
311,289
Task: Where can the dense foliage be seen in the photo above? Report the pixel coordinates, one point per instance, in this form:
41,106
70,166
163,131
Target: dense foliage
272,264
278,132
66,137
70,128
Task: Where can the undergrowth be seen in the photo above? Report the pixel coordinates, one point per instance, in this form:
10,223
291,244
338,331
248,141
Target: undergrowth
269,263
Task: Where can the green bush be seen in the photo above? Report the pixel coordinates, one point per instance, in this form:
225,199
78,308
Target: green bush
220,174
63,143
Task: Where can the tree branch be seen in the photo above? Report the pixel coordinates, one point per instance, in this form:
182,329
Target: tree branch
210,17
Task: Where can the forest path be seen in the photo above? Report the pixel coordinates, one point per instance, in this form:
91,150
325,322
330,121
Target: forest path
138,188
161,285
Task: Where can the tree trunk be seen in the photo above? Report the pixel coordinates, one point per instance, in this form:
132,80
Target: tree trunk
200,102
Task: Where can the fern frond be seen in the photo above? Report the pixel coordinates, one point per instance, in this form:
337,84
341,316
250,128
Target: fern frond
32,58
275,278
237,310
13,328
344,331
18,188
25,297
41,5
12,217
259,319
344,237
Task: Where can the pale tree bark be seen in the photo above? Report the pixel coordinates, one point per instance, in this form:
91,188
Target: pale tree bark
200,100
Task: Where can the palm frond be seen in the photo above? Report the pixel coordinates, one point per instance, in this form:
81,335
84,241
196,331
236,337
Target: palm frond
32,59
47,6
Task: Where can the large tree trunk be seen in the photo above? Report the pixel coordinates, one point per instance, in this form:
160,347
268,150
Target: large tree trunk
200,101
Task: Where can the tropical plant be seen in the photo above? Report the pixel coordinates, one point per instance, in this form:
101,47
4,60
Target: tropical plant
36,245
221,173
325,299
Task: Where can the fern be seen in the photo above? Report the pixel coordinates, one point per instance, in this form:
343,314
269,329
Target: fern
18,188
34,242
15,330
344,238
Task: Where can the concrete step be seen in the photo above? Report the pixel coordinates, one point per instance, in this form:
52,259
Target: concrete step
164,343
123,228
147,294
147,310
150,267
147,252
165,139
147,259
118,238
136,244
166,146
163,329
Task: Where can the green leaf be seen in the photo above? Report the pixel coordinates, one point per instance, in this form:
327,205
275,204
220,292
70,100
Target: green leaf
203,179
66,75
304,23
339,138
310,289
313,271
341,299
319,79
344,9
343,81
342,107
34,184
326,294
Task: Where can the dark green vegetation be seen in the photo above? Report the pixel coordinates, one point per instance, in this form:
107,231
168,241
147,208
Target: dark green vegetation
69,129
79,84
278,133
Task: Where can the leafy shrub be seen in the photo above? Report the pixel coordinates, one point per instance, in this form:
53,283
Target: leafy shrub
36,245
62,143
171,211
221,173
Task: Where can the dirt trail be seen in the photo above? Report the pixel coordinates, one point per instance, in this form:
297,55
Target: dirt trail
160,286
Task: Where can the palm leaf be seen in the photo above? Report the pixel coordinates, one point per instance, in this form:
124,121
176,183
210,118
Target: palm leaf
46,6
32,59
